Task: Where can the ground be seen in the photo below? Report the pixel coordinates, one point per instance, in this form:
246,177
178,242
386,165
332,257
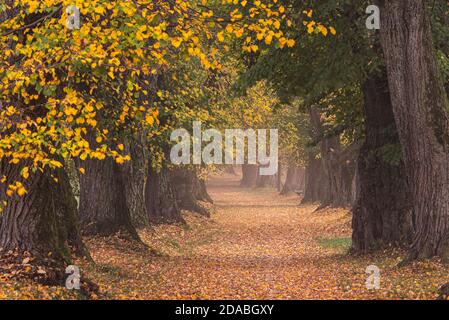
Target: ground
257,245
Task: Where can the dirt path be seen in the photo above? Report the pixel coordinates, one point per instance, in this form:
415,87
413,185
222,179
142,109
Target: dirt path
257,245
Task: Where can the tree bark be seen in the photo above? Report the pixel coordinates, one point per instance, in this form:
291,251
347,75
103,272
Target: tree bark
382,212
134,177
420,109
45,219
266,181
279,178
200,190
229,169
301,179
250,173
185,183
294,181
103,207
337,167
160,197
315,182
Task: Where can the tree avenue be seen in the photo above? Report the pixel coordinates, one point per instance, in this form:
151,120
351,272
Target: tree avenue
191,124
76,94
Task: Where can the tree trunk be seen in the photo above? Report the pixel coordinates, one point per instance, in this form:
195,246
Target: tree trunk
382,212
420,109
250,173
103,206
315,183
134,177
266,181
279,178
294,181
200,190
338,167
229,169
185,183
338,172
160,197
45,219
301,179
289,185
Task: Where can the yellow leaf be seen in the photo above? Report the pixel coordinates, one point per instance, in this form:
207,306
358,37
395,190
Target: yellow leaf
176,42
21,191
56,164
268,39
25,173
220,36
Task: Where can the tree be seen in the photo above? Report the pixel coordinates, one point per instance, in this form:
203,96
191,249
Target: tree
314,180
347,69
319,71
293,126
134,175
382,213
44,220
59,88
250,172
160,198
103,206
294,181
253,110
420,107
338,169
188,189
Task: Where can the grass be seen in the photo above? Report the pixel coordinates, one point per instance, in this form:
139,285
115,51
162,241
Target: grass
340,244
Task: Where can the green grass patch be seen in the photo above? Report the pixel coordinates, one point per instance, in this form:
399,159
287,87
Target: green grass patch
340,244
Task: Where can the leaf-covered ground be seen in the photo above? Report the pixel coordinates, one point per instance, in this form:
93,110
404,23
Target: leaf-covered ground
257,245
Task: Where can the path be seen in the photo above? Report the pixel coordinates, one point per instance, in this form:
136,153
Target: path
257,245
